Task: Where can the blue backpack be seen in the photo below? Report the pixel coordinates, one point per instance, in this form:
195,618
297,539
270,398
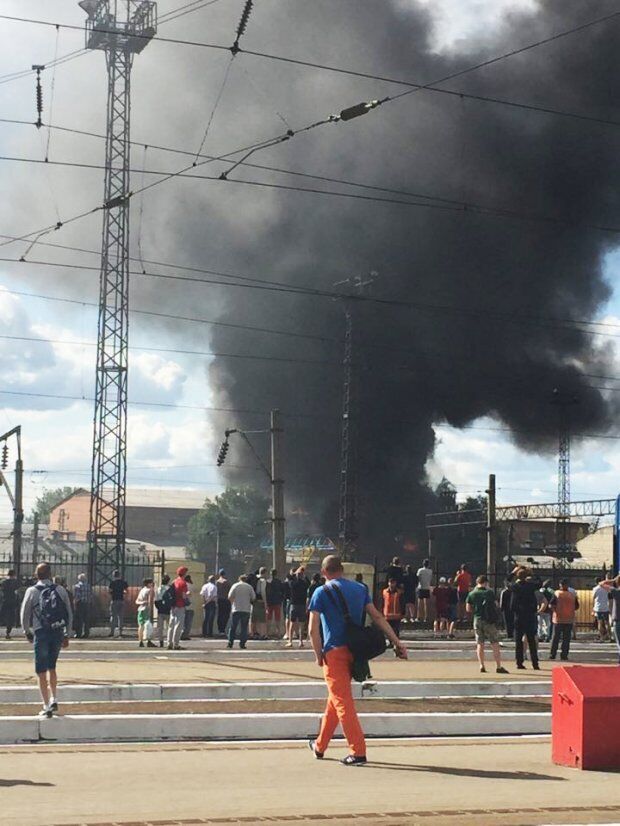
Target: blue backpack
52,611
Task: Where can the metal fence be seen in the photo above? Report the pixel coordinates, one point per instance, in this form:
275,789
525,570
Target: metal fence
67,566
581,579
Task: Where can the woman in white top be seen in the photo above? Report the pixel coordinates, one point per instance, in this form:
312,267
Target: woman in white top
144,602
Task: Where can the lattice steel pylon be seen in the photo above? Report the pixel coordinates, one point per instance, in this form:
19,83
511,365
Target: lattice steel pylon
563,402
120,28
348,528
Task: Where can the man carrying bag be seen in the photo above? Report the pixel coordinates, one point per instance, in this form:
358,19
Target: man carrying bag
338,609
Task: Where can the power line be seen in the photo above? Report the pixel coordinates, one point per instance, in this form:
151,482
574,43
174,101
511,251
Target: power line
175,317
248,356
513,318
309,416
201,408
181,11
67,58
426,201
346,114
412,86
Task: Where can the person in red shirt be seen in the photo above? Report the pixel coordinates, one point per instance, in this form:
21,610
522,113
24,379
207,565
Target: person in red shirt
464,582
177,613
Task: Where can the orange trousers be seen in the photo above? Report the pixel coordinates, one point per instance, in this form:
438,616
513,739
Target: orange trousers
340,705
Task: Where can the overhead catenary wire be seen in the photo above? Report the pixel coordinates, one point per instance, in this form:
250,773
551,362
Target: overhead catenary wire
458,205
285,359
513,318
334,419
424,201
396,81
331,119
187,8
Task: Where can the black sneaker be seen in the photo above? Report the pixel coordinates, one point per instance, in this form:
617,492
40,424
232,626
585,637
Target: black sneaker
140,644
521,667
312,746
45,712
53,707
354,760
150,644
501,670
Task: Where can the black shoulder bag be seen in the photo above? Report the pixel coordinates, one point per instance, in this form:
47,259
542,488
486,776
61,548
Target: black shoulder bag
365,642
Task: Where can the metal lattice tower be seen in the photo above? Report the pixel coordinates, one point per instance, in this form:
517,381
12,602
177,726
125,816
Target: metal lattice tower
348,529
563,402
120,28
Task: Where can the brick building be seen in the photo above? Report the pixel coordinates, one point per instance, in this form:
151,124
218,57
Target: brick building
153,515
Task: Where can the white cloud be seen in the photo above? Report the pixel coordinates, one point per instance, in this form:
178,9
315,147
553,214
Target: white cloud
458,23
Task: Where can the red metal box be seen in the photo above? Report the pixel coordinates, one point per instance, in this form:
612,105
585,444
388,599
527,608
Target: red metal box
585,714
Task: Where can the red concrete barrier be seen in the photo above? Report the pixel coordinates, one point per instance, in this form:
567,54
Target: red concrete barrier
585,712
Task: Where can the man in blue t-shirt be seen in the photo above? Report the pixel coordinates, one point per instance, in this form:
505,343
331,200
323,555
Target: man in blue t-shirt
334,655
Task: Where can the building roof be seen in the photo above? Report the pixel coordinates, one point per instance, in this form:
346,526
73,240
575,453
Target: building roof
597,549
155,498
165,498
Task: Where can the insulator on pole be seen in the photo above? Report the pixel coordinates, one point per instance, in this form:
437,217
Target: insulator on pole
38,69
243,23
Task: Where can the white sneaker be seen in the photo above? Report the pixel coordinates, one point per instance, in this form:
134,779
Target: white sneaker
289,644
45,712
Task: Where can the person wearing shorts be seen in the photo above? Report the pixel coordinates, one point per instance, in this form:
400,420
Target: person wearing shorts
47,641
425,578
144,603
485,631
297,611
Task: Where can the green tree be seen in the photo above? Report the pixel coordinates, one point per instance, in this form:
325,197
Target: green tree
240,515
49,499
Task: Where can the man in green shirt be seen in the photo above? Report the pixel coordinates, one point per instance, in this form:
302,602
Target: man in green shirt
481,603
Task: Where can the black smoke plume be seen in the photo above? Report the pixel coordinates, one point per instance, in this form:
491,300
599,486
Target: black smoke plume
494,295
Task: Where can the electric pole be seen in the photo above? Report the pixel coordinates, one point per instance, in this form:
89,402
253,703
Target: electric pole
121,29
277,495
348,529
563,402
35,539
16,498
491,528
274,474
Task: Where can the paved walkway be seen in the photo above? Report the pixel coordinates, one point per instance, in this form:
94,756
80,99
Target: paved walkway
175,668
431,782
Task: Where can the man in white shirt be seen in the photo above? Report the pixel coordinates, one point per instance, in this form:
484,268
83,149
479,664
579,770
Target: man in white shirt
425,579
241,597
208,593
600,609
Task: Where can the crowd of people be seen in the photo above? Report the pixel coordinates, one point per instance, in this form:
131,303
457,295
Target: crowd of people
323,610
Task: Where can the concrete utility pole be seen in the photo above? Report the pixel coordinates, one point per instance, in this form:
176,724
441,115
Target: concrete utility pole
35,539
121,29
277,495
491,528
274,474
